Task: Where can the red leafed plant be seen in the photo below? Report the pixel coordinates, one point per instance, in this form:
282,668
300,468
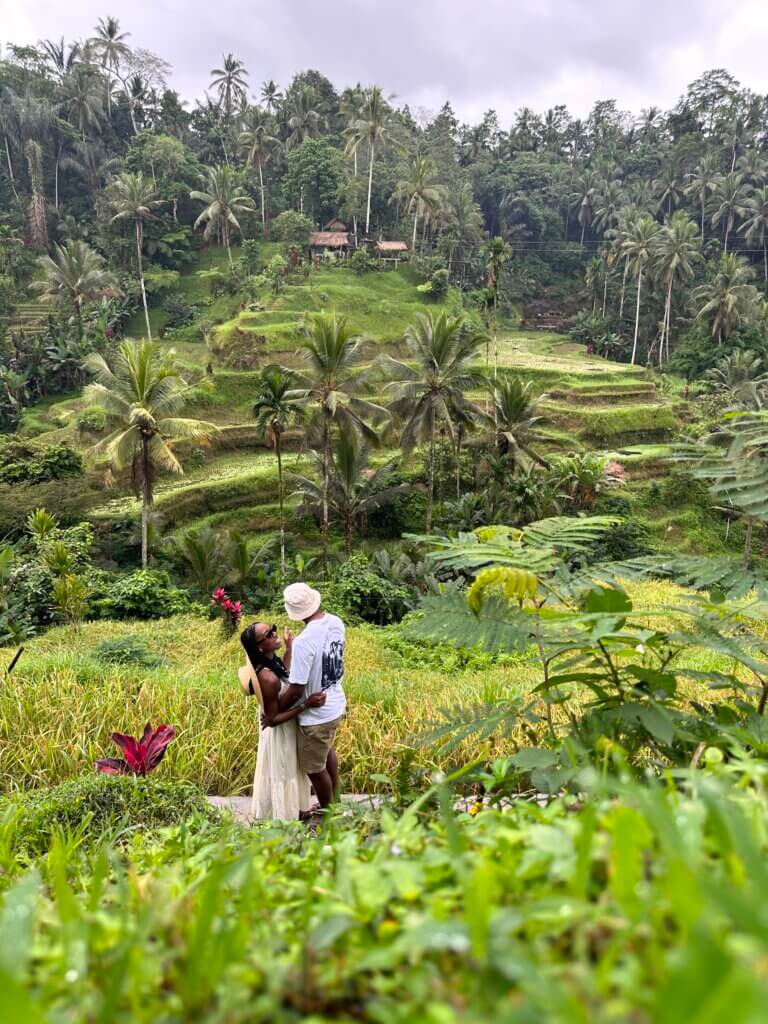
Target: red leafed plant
231,611
141,756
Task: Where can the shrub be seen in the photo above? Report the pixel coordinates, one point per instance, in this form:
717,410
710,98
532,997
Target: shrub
179,311
128,650
404,515
291,226
97,803
362,593
437,285
144,594
362,262
33,462
93,420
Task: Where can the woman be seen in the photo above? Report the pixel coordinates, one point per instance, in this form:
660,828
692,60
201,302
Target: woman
280,791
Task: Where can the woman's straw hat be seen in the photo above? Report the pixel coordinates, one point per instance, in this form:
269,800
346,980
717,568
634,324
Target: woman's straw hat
248,679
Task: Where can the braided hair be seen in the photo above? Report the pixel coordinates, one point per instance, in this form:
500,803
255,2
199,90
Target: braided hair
258,658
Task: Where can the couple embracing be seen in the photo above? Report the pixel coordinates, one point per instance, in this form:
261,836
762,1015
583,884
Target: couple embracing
302,703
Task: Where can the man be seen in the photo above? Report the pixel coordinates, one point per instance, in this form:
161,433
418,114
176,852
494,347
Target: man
317,667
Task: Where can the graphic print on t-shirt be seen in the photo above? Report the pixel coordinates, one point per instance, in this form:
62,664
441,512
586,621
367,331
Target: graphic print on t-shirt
333,664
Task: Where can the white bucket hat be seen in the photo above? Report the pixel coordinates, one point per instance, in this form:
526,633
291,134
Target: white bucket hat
301,601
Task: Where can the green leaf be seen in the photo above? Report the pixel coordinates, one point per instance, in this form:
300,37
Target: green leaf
534,757
606,599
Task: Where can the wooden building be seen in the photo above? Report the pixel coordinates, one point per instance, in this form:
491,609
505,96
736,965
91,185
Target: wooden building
391,252
322,243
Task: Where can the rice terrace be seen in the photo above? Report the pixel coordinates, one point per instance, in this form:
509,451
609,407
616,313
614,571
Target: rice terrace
383,515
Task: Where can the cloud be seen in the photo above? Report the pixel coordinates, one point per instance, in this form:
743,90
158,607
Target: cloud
492,53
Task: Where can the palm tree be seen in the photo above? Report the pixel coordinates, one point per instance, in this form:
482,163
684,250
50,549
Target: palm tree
142,395
223,202
110,43
351,108
754,168
230,81
305,121
354,491
638,246
517,415
203,555
729,202
61,57
275,409
610,199
419,191
676,247
375,127
461,223
755,227
583,198
134,198
83,92
668,189
270,95
702,183
259,146
497,255
76,275
729,299
328,387
91,162
433,391
33,119
741,379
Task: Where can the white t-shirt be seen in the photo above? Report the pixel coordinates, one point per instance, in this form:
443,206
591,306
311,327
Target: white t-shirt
318,664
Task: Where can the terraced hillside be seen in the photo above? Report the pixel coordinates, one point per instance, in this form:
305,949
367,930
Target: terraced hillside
591,403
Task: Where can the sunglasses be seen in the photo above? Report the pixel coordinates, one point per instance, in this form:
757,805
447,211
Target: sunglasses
272,631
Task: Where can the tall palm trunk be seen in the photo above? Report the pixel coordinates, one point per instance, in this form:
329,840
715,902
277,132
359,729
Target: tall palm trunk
415,223
370,186
605,292
141,276
727,232
431,485
326,473
354,174
747,542
623,291
263,205
637,315
56,178
146,501
459,440
667,321
225,235
703,205
277,434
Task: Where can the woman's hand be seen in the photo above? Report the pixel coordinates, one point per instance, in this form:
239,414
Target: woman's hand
315,700
288,638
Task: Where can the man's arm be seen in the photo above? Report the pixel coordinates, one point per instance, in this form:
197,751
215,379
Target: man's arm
291,695
301,662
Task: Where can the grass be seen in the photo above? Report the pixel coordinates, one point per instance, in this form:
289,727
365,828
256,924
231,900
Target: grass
60,705
379,305
634,903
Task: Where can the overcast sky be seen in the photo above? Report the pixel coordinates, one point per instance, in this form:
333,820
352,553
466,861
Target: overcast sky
475,53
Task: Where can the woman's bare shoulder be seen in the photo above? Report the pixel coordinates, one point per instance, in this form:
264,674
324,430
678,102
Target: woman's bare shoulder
268,679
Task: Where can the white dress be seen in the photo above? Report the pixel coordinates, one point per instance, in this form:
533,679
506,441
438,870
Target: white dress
280,790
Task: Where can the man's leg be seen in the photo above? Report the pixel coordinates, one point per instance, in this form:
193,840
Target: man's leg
332,768
323,787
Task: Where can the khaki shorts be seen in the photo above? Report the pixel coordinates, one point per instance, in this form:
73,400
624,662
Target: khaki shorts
313,744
